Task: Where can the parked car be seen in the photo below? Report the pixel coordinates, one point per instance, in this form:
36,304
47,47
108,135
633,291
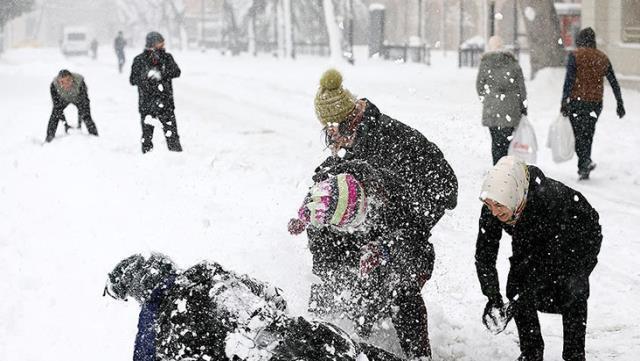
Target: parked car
75,40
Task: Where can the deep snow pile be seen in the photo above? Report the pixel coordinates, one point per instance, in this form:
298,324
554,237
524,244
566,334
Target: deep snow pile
70,210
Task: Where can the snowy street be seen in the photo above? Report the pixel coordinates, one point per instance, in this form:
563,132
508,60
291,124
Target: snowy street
71,209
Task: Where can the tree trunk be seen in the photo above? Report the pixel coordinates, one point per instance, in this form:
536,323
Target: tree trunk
251,35
543,31
285,33
335,36
288,29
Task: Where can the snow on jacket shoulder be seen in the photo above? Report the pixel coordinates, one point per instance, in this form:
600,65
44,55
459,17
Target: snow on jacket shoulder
205,303
419,164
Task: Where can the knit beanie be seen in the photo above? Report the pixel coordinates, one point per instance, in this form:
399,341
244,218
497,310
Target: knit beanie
339,201
152,39
333,103
507,183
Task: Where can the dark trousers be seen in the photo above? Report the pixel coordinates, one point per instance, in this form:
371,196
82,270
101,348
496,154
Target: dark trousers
411,321
583,116
84,115
170,128
120,55
574,325
500,142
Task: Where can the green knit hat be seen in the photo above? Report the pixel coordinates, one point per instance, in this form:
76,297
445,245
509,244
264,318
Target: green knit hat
333,103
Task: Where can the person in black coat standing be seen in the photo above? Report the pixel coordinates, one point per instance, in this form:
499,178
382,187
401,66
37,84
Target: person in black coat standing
69,88
152,72
556,238
356,130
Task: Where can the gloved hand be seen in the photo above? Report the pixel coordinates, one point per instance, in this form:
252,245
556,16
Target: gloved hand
621,112
524,111
372,255
494,316
296,226
154,74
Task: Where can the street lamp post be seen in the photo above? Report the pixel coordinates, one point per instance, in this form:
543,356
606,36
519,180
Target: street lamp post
492,18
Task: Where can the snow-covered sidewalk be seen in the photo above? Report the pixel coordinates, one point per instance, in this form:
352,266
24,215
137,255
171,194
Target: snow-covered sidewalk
70,210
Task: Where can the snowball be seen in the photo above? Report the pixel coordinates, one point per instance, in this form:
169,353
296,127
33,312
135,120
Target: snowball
182,305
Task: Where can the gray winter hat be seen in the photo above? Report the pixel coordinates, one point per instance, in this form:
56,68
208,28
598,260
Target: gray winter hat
152,39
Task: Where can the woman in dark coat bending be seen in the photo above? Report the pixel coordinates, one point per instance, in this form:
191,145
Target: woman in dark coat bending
556,239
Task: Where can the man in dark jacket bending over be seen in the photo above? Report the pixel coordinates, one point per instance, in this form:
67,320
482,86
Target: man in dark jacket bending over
152,72
69,88
556,239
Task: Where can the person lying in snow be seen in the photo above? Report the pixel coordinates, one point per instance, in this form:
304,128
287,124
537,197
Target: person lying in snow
555,240
209,313
365,252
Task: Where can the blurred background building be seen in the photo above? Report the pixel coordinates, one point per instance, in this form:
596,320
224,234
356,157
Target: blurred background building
398,29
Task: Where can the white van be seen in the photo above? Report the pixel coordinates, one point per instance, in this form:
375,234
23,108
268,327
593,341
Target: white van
75,40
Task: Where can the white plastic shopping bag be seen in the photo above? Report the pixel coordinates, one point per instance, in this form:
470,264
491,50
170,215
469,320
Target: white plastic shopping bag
561,139
524,144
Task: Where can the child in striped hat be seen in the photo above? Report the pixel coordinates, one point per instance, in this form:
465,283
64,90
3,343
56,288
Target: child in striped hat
339,201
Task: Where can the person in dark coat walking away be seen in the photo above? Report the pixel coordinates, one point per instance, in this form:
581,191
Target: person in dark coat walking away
118,45
152,72
209,313
582,95
69,88
356,130
500,85
556,238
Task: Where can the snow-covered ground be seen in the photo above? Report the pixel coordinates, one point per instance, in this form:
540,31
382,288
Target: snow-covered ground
70,210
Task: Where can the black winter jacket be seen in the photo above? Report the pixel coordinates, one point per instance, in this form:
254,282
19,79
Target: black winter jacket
387,144
555,244
192,323
417,181
155,96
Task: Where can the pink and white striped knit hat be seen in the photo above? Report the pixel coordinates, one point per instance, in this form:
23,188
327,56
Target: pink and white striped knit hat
339,201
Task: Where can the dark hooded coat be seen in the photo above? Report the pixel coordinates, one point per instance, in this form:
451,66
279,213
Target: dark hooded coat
555,244
500,84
